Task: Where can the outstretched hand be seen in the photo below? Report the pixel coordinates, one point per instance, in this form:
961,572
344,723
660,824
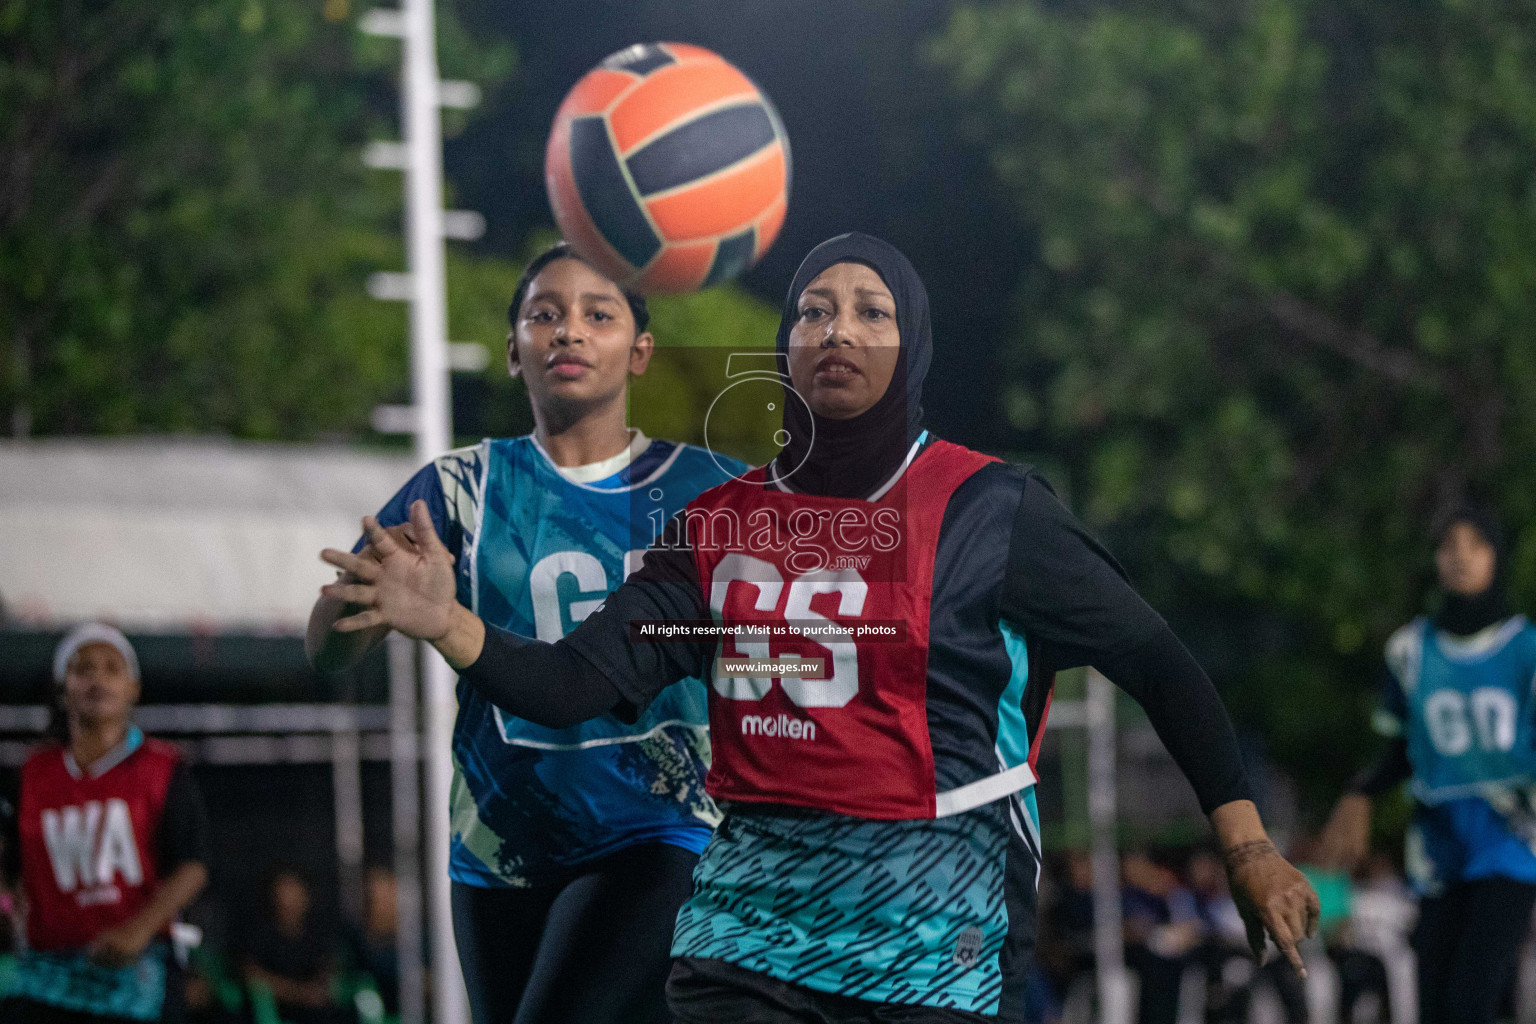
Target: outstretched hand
1272,897
407,586
402,533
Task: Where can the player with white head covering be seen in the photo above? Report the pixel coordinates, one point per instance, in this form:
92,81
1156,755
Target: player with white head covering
110,844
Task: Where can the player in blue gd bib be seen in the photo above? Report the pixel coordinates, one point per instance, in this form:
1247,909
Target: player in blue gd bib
1456,709
572,848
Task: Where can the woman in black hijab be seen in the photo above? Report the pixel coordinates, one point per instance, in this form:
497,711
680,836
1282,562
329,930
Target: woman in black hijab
854,455
1457,709
879,851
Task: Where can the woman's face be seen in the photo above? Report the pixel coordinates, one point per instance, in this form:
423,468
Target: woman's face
1465,561
574,344
98,688
290,901
844,344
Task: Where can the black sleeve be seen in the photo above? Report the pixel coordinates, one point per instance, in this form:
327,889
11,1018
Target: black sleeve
1389,770
598,667
1064,589
548,684
1391,716
664,588
10,828
1187,714
183,836
1071,599
1391,766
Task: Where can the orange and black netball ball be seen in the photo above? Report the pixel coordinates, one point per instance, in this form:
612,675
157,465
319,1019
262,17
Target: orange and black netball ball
667,169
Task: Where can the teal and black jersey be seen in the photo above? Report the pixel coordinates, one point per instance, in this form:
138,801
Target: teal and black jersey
935,909
538,548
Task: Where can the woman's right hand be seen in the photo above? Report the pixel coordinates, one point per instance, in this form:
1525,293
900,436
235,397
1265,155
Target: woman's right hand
402,533
1346,839
409,587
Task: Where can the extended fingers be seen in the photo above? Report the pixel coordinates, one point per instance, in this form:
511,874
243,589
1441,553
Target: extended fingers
1299,903
425,534
351,593
379,537
365,619
402,535
1297,964
363,568
1285,935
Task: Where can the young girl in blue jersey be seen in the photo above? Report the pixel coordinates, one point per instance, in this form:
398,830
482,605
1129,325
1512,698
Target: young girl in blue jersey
878,857
572,847
1457,711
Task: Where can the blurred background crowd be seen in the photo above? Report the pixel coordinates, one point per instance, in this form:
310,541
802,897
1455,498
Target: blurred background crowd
286,949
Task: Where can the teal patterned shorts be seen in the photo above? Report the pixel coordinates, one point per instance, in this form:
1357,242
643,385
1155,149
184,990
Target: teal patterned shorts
71,982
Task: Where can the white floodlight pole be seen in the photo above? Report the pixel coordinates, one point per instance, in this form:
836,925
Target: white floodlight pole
425,261
405,816
1114,989
425,256
424,286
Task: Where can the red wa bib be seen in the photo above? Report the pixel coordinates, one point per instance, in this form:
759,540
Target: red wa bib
88,860
856,579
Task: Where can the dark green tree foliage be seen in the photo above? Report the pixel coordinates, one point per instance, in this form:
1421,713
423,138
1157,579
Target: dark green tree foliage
1285,298
184,224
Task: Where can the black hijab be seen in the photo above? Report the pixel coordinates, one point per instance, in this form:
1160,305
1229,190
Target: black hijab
1461,615
851,458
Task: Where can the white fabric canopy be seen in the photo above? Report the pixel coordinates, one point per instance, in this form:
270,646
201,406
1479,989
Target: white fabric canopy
166,535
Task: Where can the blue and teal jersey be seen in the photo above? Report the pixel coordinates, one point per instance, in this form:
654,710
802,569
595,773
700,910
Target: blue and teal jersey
538,548
1465,706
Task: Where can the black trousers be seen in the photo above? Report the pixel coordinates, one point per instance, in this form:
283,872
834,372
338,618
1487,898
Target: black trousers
1466,942
715,992
1359,973
593,947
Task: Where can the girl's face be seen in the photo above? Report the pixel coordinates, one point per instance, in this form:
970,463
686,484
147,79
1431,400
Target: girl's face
574,344
1465,561
845,343
98,688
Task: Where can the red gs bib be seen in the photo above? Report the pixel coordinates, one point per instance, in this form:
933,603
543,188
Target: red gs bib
843,571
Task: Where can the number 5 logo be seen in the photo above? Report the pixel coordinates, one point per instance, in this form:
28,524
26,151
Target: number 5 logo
843,684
